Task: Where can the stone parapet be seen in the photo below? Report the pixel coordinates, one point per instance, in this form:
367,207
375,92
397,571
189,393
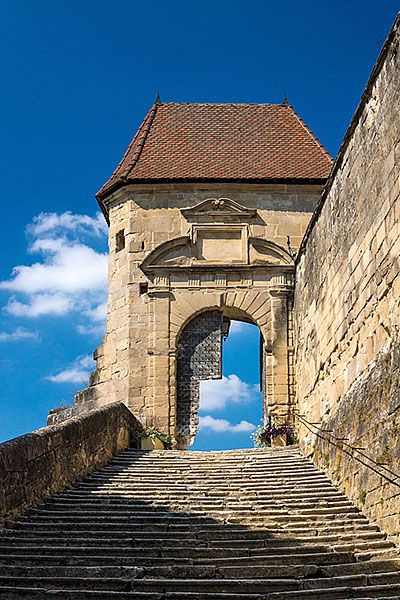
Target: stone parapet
37,465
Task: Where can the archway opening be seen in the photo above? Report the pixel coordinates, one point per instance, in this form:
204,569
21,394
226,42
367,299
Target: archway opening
230,408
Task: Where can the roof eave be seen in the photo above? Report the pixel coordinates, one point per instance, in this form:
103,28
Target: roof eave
105,192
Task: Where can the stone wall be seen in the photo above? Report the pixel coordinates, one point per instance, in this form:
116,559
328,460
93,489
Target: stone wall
347,306
40,464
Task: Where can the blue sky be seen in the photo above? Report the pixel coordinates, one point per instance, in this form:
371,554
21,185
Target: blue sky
77,79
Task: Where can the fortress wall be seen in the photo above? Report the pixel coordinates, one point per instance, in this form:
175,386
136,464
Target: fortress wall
347,305
40,464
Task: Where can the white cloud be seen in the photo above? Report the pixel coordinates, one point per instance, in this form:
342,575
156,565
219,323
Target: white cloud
70,276
216,394
67,221
18,334
97,330
98,313
76,372
40,304
224,426
237,327
67,267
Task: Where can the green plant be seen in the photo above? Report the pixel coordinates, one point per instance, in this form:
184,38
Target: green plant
266,432
362,496
152,433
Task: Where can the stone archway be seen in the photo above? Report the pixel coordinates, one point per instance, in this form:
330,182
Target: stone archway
269,308
199,358
219,260
218,265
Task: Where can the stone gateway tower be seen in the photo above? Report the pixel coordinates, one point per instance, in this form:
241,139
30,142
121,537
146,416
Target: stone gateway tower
214,212
206,211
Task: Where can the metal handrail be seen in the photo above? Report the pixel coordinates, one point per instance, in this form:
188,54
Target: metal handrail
309,425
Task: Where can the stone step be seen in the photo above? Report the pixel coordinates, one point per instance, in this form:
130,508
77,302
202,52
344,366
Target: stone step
148,474
41,594
357,584
383,592
211,467
240,495
285,524
17,593
247,540
278,488
180,520
242,549
246,544
286,517
67,557
275,485
187,463
184,551
171,477
120,511
14,593
189,459
248,525
200,491
378,571
206,505
212,475
117,584
235,501
227,481
207,497
212,531
147,493
122,496
225,455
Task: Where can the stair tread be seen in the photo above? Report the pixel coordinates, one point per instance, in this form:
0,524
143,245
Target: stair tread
189,525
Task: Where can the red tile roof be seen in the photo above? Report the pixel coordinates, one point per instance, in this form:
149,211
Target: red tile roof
214,142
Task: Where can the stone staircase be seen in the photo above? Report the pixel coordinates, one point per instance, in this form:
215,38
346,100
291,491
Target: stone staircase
245,524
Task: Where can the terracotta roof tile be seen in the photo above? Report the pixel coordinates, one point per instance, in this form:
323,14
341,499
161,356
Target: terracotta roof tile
221,142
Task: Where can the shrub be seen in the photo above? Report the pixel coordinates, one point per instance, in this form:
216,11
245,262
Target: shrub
265,433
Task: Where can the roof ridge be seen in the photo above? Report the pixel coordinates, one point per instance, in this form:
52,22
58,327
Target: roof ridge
139,140
222,103
138,136
310,132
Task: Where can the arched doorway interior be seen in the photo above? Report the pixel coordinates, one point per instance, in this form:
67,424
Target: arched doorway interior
199,358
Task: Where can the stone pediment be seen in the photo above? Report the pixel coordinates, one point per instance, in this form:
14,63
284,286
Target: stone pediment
220,208
264,252
230,249
174,253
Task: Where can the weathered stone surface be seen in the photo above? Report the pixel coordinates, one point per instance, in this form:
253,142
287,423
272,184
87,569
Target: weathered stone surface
39,464
192,248
242,525
347,306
